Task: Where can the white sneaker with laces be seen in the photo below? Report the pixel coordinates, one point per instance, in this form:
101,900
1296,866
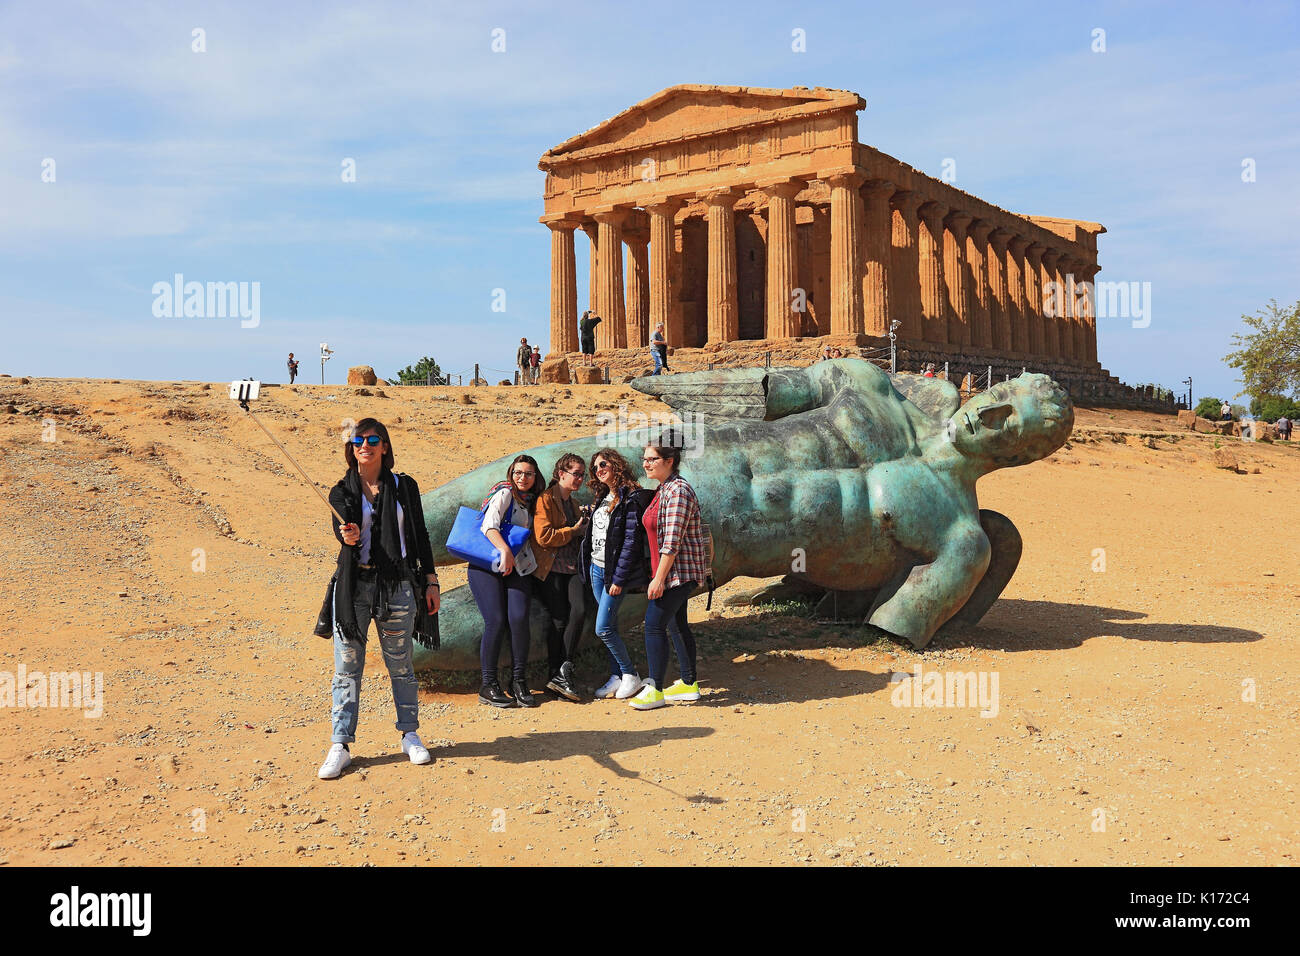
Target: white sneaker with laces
608,688
414,748
629,686
336,761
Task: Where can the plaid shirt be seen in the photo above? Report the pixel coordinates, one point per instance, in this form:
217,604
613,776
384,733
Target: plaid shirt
678,531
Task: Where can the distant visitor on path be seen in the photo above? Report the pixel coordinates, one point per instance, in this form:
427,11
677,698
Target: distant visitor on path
1283,425
587,335
535,364
523,359
659,349
1225,412
293,368
929,370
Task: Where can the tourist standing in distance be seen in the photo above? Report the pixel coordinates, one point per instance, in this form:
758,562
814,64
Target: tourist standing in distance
504,597
587,335
385,568
557,537
614,560
1225,412
523,357
679,565
293,368
1283,425
535,364
659,349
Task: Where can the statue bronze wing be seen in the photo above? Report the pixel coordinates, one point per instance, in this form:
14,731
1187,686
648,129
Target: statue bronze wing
937,397
766,394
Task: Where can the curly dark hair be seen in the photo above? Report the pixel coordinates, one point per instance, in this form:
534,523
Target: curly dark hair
620,474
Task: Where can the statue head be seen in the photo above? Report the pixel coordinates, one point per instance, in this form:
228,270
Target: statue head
1014,422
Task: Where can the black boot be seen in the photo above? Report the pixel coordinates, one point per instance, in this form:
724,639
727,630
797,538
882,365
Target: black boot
562,683
523,696
492,695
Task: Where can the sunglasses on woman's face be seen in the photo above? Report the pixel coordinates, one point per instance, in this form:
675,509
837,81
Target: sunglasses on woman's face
371,440
602,465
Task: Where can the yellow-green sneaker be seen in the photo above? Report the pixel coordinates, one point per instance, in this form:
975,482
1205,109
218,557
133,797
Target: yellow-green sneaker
650,698
679,693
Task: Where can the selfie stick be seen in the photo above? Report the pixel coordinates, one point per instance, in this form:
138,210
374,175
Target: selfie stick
243,403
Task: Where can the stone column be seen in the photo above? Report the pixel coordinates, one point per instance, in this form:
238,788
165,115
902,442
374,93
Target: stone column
1056,328
782,260
877,239
638,287
977,245
954,273
612,331
662,250
564,289
723,310
1034,311
904,274
1000,298
848,282
934,293
1087,305
1071,324
593,273
1016,294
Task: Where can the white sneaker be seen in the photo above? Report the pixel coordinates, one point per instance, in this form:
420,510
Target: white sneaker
414,748
336,761
608,688
629,686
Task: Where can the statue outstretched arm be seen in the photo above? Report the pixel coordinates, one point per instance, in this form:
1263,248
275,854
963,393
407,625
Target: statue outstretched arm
923,597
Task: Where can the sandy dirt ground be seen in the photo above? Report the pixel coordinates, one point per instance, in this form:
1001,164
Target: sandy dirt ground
1145,655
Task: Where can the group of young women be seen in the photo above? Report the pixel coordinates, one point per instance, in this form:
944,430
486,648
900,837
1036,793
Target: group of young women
630,539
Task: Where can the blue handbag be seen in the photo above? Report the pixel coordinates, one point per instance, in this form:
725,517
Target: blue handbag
468,542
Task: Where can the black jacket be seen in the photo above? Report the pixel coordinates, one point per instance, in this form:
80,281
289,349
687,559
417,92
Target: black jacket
627,551
419,556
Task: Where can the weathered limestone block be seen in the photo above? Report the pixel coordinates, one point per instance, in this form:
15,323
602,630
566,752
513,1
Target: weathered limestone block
555,371
361,375
478,381
505,381
1225,458
1205,426
1186,418
588,375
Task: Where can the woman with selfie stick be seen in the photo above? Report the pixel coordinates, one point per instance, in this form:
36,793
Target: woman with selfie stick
385,573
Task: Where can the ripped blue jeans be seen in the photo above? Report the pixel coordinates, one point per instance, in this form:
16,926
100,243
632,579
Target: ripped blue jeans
395,630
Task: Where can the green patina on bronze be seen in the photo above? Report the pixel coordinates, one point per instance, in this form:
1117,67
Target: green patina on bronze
837,476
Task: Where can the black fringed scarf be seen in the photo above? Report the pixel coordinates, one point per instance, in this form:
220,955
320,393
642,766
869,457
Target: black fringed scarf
385,557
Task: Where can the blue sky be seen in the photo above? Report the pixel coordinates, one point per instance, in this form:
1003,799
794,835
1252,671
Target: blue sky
225,165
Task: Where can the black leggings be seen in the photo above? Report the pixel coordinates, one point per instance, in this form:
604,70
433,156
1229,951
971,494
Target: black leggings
502,599
565,600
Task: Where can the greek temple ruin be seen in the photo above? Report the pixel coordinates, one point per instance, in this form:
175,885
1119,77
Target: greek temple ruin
753,217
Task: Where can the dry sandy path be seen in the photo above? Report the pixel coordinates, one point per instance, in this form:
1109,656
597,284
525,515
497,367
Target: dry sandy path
1120,691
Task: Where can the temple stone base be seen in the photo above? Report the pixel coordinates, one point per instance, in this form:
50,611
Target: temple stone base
1090,385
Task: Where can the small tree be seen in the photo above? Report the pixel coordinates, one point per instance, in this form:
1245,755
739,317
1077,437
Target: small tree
1209,407
420,372
1270,408
1269,357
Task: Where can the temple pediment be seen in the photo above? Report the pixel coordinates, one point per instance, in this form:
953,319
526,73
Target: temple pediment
683,111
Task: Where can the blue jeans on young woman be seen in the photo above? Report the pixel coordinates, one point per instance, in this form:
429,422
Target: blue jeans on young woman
668,614
395,629
620,660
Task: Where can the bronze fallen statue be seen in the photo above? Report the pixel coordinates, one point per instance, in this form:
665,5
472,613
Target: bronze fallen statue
836,476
